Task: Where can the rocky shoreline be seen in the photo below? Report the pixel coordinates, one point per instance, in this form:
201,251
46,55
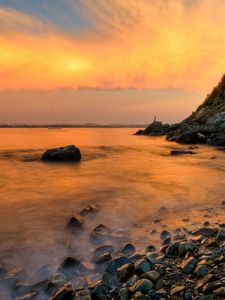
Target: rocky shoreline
190,264
204,126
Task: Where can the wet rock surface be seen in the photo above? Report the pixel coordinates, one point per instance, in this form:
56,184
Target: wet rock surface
204,126
67,153
189,265
192,268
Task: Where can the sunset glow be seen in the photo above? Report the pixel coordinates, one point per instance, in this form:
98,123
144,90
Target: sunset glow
123,44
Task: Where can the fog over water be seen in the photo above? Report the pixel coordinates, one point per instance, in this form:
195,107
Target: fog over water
128,177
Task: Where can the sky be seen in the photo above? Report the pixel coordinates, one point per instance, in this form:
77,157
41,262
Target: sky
108,61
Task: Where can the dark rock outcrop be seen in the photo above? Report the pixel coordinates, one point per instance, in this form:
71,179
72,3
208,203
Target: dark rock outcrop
68,153
155,129
204,126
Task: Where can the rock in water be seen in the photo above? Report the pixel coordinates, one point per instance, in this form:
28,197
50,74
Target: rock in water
181,152
156,128
206,124
68,153
75,224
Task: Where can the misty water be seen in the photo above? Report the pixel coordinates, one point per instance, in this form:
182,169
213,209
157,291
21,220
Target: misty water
133,180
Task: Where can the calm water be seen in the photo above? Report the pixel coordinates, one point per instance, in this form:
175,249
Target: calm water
129,177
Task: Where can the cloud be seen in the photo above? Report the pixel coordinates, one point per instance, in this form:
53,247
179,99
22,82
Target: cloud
174,44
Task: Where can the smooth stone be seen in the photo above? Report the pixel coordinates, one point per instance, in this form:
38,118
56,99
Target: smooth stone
177,290
188,265
100,291
128,249
75,224
151,275
132,280
100,232
68,153
173,250
142,266
185,247
165,234
150,248
201,271
69,266
103,258
124,272
142,285
101,250
116,263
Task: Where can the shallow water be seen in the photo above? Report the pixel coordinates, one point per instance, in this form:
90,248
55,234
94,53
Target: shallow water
129,177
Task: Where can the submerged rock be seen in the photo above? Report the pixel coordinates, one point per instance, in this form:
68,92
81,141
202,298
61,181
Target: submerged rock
181,152
100,232
89,210
68,153
102,250
128,249
75,224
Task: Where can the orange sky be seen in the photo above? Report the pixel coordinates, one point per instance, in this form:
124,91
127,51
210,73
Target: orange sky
122,44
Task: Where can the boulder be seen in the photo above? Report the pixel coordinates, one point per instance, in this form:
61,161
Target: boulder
128,249
181,152
189,264
75,224
173,250
68,153
100,232
102,250
156,128
142,285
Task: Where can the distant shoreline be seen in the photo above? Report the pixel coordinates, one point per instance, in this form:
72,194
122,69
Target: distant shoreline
61,126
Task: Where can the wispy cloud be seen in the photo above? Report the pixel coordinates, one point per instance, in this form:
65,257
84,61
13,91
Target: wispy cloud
127,44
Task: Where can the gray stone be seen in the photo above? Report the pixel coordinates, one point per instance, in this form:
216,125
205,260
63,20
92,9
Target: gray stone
116,263
75,224
151,275
173,250
142,285
188,265
142,266
128,249
103,258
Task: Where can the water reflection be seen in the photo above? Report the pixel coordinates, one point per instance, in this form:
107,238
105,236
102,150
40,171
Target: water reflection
129,177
